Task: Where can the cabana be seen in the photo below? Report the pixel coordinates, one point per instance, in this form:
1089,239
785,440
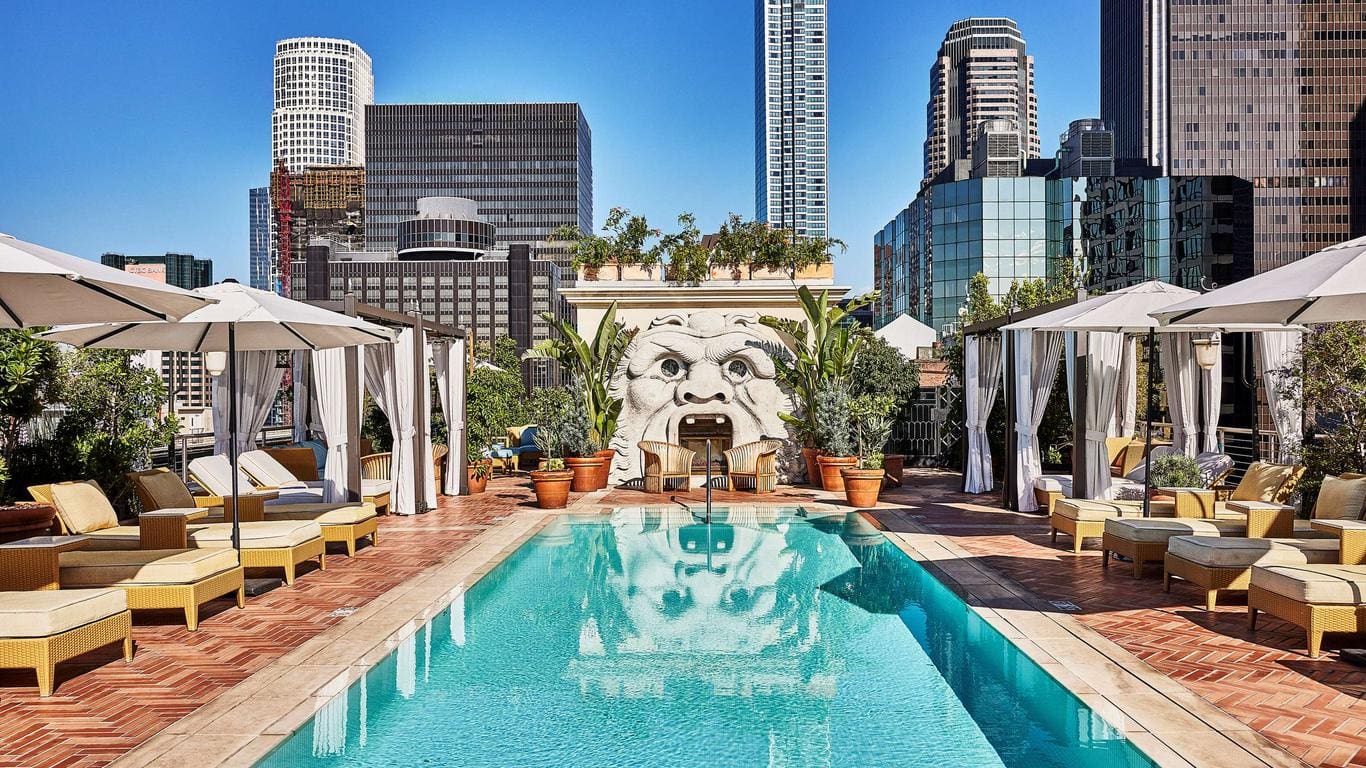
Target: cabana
1102,385
396,377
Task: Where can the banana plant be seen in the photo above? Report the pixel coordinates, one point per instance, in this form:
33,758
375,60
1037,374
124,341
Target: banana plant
594,364
824,347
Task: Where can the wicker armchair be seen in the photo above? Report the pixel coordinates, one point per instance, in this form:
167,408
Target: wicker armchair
756,462
665,462
439,466
376,466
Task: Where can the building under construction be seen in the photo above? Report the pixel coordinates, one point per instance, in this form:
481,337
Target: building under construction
320,201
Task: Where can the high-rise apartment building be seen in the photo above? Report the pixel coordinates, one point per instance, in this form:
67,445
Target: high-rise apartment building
258,237
791,173
322,86
183,372
529,167
1267,90
981,73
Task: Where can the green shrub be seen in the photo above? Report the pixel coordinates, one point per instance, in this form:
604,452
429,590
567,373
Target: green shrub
1176,471
834,425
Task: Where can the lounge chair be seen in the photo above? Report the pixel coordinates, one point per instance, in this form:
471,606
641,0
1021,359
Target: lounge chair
154,579
522,442
1317,598
1085,518
82,508
1225,562
1255,509
342,523
40,629
266,473
299,461
665,462
1125,454
756,462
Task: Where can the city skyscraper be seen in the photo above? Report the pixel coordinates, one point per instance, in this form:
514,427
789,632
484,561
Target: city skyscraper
791,188
528,166
1267,90
258,238
321,88
981,73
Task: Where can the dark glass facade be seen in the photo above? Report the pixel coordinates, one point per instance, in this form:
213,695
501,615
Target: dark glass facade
181,269
1273,91
1119,230
528,166
443,236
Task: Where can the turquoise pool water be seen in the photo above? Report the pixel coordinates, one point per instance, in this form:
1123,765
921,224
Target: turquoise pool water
765,639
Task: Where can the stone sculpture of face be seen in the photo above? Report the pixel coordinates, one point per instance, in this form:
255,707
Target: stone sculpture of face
705,364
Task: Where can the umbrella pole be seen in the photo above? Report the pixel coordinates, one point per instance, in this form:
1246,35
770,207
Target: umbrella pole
232,431
1148,431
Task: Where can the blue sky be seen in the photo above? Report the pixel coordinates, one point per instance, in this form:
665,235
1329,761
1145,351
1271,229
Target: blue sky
139,127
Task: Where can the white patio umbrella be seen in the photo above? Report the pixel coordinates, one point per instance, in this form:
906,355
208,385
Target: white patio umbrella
1132,310
41,286
243,319
1327,287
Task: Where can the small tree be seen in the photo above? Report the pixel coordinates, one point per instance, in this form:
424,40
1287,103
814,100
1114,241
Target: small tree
687,258
628,236
734,245
494,396
577,434
589,252
1331,380
112,421
872,424
881,369
30,378
550,409
833,419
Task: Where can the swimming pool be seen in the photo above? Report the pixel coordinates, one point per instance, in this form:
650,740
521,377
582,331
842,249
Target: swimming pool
647,638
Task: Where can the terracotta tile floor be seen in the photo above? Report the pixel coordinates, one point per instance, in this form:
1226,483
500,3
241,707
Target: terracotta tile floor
103,707
1315,709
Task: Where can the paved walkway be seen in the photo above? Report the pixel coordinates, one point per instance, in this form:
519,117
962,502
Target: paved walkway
104,708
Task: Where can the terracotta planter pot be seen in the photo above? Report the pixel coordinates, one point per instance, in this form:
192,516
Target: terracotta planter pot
861,486
830,470
894,467
605,473
477,484
585,469
25,519
813,469
552,487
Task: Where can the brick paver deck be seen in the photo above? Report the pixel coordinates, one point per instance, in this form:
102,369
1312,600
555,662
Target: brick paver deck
1313,708
103,708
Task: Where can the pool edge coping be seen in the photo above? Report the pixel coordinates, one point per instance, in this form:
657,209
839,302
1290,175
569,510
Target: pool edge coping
1171,724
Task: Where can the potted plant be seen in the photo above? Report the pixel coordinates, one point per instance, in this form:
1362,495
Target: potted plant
834,434
872,426
1174,470
552,480
580,447
478,474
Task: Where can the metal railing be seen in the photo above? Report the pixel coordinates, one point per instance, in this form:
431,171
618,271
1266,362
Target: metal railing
189,446
1237,442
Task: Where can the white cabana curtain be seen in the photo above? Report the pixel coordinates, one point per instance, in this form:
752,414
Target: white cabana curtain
1280,354
1036,366
449,360
302,395
329,382
422,380
258,382
386,380
1126,397
1212,389
1103,358
1069,359
1181,374
982,374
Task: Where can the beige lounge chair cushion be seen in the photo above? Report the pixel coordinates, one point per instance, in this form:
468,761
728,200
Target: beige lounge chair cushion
118,537
1262,481
1156,529
167,490
270,534
47,612
1317,584
83,506
143,566
1088,510
1239,552
327,514
1340,499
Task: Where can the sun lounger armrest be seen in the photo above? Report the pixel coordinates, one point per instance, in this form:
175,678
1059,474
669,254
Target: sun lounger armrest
167,528
251,508
1266,520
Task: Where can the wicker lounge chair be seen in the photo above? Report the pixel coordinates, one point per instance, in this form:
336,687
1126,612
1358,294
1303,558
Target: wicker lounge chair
1124,454
158,579
1317,598
665,462
40,629
299,461
82,508
265,473
756,462
341,523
